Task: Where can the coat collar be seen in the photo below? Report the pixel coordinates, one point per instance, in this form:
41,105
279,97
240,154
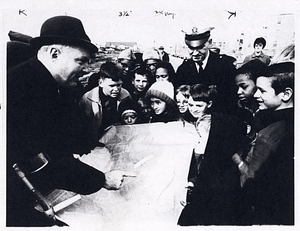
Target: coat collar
93,95
258,56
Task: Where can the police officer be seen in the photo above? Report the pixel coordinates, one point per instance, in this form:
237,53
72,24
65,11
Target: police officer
209,68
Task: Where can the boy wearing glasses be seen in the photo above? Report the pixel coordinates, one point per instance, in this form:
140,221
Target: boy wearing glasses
126,61
151,58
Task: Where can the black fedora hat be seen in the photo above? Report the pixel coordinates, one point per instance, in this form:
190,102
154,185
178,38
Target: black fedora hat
63,30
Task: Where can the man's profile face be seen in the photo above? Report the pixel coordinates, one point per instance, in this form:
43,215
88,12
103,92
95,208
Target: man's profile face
199,53
110,88
69,64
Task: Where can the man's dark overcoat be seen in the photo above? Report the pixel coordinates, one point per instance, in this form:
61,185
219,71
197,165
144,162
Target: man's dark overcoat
43,117
219,72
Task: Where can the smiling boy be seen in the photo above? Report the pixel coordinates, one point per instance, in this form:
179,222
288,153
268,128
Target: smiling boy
270,186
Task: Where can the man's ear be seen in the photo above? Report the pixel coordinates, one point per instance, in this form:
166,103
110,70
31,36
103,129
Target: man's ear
54,52
287,94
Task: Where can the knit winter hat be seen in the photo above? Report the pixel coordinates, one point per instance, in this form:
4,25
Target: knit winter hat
127,54
163,90
128,105
151,54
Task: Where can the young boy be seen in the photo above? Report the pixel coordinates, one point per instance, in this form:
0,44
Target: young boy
269,184
100,104
245,79
151,58
140,84
126,60
247,107
129,112
214,193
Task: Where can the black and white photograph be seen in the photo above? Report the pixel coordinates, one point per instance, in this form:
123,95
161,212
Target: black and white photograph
148,115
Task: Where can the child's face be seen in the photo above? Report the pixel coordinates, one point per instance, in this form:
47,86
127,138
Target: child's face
126,66
258,47
151,66
246,87
197,108
162,74
182,102
158,105
130,118
140,82
265,95
110,88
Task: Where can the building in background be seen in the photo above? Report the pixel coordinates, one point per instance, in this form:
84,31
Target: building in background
278,30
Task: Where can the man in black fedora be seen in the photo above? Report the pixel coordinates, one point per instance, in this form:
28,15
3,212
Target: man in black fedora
208,68
44,123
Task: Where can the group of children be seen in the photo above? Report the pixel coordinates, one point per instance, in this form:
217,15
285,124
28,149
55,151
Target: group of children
241,169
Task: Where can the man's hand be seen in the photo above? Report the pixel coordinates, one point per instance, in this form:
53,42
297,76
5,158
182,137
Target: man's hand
115,178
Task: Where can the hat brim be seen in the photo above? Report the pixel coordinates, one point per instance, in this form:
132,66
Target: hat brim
196,43
38,42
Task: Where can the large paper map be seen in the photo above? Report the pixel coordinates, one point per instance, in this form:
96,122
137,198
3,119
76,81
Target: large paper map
159,154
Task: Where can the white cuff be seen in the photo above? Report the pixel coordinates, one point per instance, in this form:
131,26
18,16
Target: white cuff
240,164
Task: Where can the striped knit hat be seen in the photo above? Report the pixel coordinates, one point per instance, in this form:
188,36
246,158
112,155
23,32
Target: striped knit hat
163,90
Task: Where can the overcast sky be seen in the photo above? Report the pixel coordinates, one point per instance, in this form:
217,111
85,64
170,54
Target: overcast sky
155,22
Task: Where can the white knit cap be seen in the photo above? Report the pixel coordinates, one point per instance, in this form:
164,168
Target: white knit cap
163,90
127,54
151,54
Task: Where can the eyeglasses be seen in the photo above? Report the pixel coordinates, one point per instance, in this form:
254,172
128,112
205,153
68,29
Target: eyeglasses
151,64
184,102
162,76
124,65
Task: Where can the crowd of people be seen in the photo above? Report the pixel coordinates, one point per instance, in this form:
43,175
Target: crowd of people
242,168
